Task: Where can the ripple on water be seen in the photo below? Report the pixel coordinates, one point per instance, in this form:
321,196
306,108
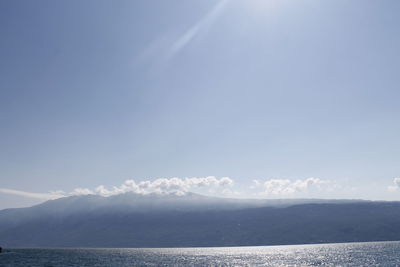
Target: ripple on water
347,254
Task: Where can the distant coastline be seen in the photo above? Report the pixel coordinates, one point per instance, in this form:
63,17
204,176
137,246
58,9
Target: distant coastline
132,220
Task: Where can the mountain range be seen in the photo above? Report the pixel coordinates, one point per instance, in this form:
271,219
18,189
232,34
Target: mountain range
192,220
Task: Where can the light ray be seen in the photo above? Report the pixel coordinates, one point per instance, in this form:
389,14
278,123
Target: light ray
201,25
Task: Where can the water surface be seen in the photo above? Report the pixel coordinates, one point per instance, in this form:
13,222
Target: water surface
346,254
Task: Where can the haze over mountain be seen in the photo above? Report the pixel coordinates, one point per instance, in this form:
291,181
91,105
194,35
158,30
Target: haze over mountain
170,220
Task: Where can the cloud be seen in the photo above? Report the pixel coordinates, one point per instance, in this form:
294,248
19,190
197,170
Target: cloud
396,186
165,185
204,23
175,185
285,187
44,196
81,191
212,185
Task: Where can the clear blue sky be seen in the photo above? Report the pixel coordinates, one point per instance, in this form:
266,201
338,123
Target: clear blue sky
98,92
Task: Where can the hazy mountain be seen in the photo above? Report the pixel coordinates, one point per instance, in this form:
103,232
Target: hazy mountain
168,220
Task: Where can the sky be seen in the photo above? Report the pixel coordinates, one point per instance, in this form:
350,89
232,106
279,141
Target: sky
235,98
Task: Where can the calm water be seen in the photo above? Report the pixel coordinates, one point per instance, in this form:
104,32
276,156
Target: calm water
349,254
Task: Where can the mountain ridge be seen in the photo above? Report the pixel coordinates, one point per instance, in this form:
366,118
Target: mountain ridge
133,220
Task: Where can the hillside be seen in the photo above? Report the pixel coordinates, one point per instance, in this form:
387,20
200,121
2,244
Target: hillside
132,220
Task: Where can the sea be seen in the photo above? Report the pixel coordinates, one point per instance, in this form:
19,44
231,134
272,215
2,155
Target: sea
344,254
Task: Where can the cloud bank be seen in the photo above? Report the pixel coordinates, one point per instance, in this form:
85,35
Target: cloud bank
44,196
285,187
395,186
210,185
162,185
179,186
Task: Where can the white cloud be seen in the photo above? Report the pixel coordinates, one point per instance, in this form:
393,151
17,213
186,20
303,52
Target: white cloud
285,187
44,196
165,185
80,191
396,186
174,185
212,185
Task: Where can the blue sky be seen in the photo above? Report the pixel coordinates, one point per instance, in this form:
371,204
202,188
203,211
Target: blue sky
100,92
